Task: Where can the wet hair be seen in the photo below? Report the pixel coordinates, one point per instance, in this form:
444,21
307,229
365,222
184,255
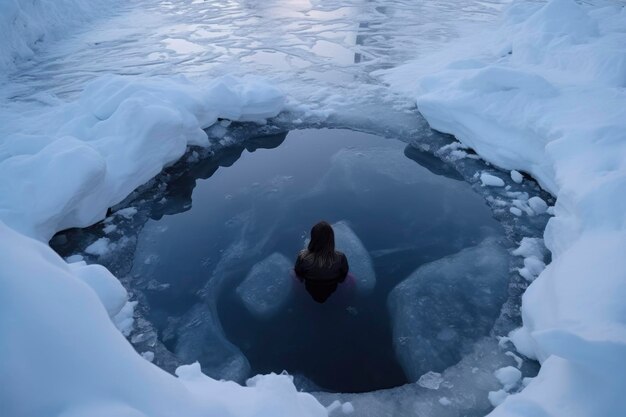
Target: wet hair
322,244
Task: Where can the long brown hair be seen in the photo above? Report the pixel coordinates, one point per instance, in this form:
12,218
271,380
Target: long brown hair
322,244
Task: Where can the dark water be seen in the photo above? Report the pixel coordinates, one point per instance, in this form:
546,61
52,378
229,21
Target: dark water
405,206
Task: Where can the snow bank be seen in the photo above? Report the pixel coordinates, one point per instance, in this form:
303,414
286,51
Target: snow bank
545,94
76,160
62,167
26,23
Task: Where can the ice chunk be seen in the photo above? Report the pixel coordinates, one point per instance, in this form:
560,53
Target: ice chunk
537,205
445,401
99,248
443,307
515,211
497,397
491,180
516,176
110,228
430,380
127,213
267,287
534,252
532,268
531,246
523,342
508,376
74,258
361,266
201,338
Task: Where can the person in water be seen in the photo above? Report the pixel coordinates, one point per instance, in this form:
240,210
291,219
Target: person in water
320,266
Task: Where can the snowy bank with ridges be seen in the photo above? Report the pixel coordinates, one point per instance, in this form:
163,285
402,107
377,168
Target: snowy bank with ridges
78,159
546,94
63,166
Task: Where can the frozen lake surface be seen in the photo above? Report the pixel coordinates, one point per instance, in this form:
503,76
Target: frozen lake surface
322,53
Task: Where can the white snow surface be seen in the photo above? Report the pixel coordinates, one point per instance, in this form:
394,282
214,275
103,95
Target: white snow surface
116,136
545,94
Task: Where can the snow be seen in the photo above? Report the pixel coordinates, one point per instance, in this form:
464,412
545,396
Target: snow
267,286
544,94
111,293
443,307
124,319
107,139
74,258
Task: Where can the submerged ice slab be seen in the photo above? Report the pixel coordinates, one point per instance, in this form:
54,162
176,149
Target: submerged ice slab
267,287
200,338
361,266
441,309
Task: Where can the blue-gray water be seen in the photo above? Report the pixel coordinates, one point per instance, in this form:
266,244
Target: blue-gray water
266,202
202,227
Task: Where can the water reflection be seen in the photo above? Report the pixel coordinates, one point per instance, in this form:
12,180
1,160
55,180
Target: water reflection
177,197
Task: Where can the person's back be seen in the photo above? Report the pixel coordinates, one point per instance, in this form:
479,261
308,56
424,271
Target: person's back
320,266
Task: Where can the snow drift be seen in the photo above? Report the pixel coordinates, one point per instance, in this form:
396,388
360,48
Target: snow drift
545,94
76,160
66,165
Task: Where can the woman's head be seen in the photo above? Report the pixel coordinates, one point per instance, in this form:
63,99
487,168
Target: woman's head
322,244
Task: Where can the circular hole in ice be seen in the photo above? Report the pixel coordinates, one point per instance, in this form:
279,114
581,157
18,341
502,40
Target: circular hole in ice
422,246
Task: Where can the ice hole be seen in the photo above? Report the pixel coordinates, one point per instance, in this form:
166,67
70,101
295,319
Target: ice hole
212,251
